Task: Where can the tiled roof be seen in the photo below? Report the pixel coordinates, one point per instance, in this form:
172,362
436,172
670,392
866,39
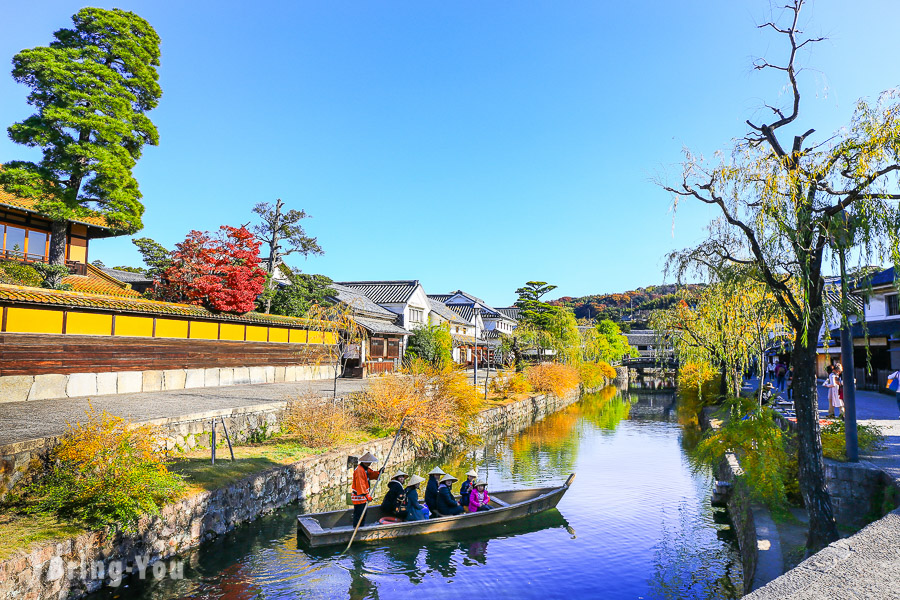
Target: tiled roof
445,313
469,296
384,292
467,311
126,276
641,337
359,303
440,297
94,285
492,334
883,278
380,326
40,296
889,328
511,312
93,219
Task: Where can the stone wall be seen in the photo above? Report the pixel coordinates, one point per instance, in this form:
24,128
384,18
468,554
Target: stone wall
860,492
44,573
18,388
740,510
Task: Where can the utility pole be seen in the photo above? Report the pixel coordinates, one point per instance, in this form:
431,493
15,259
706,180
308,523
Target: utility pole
842,235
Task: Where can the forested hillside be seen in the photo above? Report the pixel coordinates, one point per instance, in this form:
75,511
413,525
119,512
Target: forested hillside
633,306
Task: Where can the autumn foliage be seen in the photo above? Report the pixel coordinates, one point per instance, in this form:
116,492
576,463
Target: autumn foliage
596,374
106,471
219,272
553,378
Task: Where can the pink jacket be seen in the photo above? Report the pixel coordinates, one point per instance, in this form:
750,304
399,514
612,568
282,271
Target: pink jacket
477,499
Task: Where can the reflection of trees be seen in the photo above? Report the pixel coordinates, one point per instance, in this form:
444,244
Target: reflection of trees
690,562
606,408
550,445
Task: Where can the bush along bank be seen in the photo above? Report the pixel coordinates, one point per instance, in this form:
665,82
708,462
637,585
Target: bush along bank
77,565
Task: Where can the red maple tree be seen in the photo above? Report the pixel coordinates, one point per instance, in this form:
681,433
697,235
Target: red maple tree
219,272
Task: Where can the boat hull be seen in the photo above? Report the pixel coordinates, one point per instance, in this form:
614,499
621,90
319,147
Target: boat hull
536,500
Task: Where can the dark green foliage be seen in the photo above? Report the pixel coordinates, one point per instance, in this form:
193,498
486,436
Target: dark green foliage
532,307
432,344
296,298
52,276
154,255
91,88
14,273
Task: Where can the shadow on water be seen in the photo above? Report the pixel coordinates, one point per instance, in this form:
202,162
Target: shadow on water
641,511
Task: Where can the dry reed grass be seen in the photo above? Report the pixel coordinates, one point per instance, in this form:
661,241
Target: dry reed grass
553,378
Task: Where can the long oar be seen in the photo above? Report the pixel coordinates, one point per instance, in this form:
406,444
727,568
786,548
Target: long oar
384,466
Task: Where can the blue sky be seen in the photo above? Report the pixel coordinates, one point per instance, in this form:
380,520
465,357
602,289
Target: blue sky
468,145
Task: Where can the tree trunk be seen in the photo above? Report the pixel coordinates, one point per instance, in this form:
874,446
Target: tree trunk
723,384
822,527
58,242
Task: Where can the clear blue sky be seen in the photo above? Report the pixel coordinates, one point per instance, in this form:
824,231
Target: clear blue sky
468,145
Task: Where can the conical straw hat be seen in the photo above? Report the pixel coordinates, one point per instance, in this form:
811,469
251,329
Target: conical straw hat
480,482
436,471
472,473
368,457
399,473
447,478
414,480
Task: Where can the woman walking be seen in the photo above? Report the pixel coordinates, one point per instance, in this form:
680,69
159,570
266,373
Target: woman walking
834,391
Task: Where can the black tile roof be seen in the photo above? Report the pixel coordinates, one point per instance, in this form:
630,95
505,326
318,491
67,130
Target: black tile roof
359,303
889,328
385,292
379,326
126,276
511,312
444,311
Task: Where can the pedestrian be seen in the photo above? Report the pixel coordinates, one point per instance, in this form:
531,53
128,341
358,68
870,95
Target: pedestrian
359,491
893,384
780,371
770,370
790,384
828,371
834,391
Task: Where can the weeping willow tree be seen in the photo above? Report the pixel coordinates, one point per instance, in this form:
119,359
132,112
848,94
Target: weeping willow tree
781,193
726,325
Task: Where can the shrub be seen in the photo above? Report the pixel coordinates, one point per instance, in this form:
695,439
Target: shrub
553,378
509,384
52,276
318,422
595,374
106,471
432,344
834,441
762,447
437,401
19,274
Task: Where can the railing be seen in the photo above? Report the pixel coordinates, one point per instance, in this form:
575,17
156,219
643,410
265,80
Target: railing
75,268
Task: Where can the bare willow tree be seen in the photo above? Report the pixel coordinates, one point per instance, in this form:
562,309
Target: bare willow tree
333,326
781,198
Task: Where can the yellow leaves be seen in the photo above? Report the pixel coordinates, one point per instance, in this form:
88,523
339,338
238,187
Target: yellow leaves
553,378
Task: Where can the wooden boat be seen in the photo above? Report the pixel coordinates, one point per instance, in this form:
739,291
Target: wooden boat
329,528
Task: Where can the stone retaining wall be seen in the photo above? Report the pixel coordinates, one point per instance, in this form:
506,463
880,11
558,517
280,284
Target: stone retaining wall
43,573
18,388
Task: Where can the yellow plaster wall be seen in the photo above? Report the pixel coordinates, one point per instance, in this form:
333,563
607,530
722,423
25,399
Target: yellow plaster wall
33,320
257,334
134,326
315,337
204,330
298,336
171,328
278,334
231,331
78,323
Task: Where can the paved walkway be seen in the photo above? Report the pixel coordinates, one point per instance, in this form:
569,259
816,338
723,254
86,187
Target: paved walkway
20,421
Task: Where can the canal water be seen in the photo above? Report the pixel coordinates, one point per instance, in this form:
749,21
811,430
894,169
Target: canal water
636,523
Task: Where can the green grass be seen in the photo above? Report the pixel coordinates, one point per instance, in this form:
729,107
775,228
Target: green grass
277,451
19,533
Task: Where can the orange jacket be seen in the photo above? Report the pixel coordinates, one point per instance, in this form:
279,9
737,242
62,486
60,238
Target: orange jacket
359,493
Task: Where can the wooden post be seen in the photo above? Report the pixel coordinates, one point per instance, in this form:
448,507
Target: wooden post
227,438
212,441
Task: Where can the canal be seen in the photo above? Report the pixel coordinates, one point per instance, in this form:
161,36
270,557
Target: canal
637,523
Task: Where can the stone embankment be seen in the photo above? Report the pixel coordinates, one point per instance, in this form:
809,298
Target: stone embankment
73,567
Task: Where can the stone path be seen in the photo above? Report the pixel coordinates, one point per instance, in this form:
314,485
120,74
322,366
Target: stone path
20,421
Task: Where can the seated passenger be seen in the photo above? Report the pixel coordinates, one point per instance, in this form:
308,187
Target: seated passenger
447,504
466,488
478,499
414,510
431,489
394,500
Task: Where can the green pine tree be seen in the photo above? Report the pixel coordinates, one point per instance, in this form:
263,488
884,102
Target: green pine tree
91,88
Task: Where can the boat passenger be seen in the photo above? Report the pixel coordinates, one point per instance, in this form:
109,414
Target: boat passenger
447,504
466,488
359,491
478,500
431,488
414,510
395,498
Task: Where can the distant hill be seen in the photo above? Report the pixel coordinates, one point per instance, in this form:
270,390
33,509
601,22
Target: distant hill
633,307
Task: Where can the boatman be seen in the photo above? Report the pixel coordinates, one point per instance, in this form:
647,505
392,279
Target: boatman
431,489
359,492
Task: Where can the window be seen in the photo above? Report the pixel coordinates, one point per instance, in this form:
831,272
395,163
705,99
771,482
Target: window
893,306
376,347
17,242
415,315
393,348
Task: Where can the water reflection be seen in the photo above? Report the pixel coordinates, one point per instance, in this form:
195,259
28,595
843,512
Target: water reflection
636,523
